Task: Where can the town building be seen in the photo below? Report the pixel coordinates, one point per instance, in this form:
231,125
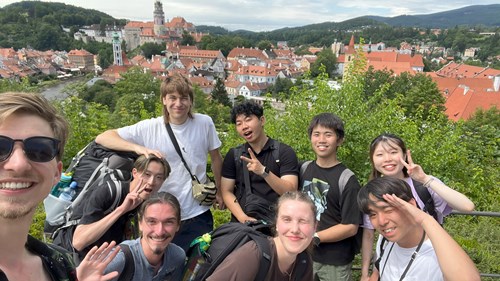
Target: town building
158,31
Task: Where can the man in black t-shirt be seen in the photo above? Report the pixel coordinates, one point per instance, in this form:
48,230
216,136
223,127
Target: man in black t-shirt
269,177
334,190
96,226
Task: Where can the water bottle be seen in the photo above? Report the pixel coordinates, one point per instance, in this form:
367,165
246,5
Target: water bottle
69,192
62,184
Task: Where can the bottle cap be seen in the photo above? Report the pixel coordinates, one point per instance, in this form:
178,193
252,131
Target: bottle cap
73,184
66,177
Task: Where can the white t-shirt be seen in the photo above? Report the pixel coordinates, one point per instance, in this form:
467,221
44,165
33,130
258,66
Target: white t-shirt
196,137
394,262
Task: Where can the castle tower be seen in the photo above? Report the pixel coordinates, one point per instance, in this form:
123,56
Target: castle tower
117,49
159,19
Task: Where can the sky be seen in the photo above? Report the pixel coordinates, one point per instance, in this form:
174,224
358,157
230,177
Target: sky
265,15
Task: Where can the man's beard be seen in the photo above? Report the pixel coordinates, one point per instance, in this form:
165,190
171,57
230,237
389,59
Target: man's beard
158,251
18,211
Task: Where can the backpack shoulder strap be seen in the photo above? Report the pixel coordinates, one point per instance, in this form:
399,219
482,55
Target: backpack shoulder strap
424,195
129,269
265,262
238,151
301,264
303,167
381,250
116,197
97,175
344,178
275,146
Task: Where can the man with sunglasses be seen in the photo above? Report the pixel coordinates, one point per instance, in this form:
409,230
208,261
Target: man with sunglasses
32,139
98,225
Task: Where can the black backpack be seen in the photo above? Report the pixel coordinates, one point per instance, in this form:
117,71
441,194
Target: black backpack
425,196
92,167
207,252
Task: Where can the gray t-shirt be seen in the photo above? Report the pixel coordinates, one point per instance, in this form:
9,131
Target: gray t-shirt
171,268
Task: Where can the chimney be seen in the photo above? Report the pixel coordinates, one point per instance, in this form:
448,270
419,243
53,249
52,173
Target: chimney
496,83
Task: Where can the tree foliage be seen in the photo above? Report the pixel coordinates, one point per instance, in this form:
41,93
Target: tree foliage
328,60
281,88
419,93
150,49
219,93
38,24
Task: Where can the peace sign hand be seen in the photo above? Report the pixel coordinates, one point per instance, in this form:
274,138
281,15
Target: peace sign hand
253,164
414,170
132,200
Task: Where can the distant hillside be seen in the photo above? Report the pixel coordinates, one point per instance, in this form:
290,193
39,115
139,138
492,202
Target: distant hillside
487,15
39,25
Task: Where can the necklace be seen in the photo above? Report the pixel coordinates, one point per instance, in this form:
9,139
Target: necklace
289,275
413,256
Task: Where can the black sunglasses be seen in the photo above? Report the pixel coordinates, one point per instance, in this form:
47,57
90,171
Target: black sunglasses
37,149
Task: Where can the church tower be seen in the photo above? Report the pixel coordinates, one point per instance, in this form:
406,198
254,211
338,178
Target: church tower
159,19
117,49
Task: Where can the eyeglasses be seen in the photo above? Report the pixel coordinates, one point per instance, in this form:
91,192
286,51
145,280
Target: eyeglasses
37,149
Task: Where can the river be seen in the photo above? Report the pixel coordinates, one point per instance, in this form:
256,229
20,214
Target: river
56,92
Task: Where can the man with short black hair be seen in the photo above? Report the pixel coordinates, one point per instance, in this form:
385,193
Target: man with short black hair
270,167
334,189
418,247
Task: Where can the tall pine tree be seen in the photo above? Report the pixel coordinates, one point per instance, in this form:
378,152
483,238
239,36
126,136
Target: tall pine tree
219,93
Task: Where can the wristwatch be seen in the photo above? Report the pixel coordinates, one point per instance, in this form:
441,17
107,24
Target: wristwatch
316,239
265,173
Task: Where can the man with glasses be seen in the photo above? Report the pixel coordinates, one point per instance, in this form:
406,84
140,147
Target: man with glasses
97,224
32,139
153,255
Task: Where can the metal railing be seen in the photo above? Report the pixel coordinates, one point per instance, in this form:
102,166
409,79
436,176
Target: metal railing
483,214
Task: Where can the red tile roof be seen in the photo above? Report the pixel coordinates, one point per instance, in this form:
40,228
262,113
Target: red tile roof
396,67
81,52
7,52
139,24
255,70
461,70
237,53
185,52
463,102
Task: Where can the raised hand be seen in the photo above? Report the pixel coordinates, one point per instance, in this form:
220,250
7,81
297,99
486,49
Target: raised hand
411,211
414,170
95,262
141,150
253,164
133,199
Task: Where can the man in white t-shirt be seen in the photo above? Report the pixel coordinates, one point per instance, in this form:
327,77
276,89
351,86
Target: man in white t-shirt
196,136
418,248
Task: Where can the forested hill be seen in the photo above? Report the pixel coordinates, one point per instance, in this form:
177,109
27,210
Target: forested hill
38,24
485,15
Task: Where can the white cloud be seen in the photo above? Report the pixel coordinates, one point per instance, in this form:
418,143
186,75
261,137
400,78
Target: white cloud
260,15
